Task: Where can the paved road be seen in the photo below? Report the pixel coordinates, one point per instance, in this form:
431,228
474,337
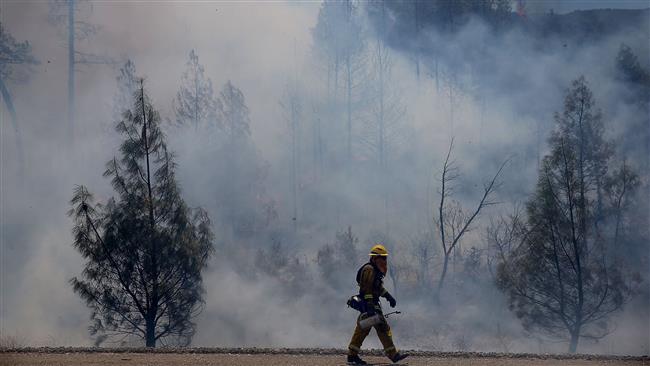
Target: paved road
187,359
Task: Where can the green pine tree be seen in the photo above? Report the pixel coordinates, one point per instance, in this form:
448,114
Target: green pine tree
564,279
144,249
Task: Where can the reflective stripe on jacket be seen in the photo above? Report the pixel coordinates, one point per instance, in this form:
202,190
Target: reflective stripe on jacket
370,282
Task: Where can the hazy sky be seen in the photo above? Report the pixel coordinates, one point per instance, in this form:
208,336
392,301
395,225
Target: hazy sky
252,44
259,46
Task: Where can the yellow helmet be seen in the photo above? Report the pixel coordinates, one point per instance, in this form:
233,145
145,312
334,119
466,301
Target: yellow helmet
378,250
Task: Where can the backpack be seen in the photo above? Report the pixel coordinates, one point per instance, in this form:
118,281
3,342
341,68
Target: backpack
379,276
356,302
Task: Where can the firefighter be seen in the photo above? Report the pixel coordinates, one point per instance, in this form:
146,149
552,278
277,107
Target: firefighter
370,280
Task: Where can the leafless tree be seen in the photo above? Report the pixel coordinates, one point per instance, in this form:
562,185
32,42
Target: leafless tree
291,105
16,60
67,14
503,235
423,254
384,124
453,221
340,44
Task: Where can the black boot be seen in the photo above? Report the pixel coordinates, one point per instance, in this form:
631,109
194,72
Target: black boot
356,360
398,357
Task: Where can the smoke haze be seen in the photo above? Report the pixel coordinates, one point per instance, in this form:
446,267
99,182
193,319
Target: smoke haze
496,110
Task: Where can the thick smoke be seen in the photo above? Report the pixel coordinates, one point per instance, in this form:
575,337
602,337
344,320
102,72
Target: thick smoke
280,287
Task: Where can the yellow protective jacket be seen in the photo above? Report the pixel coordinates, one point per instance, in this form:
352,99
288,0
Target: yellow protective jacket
371,284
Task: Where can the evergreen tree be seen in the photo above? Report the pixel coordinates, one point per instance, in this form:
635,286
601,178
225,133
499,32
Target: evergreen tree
195,103
636,79
384,127
127,85
630,227
560,280
144,250
340,45
240,190
236,119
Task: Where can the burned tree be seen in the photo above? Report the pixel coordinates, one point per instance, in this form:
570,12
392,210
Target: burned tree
144,250
66,15
560,279
453,221
384,129
291,105
340,46
13,55
423,255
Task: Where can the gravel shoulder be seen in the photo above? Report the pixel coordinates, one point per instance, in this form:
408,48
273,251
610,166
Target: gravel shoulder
125,357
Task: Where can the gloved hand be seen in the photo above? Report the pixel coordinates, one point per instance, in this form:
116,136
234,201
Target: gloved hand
391,299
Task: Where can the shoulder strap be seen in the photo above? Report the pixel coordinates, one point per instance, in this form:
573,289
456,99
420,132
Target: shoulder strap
361,270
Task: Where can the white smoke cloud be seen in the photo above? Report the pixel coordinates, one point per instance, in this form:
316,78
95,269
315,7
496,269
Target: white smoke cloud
259,46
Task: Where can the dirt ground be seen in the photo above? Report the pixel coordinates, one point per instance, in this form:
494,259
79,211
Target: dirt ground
147,359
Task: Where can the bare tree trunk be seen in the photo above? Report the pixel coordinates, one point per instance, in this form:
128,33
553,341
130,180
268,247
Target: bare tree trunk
575,337
441,222
71,62
382,118
443,274
150,336
381,148
348,68
580,245
577,242
459,228
416,14
153,306
294,162
349,110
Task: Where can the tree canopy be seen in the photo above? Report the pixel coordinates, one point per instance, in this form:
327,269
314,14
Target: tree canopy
145,249
560,278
